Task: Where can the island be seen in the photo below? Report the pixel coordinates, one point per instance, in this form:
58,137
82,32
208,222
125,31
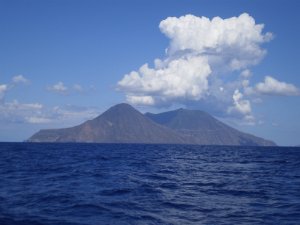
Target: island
122,123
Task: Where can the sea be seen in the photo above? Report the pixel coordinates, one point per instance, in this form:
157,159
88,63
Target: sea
90,184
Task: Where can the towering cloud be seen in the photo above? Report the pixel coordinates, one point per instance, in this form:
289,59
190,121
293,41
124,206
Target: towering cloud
235,41
201,62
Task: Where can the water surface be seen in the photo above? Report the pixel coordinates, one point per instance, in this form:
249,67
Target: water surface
148,184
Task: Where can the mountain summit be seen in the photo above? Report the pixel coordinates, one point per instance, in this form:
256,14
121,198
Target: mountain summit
120,124
201,128
124,124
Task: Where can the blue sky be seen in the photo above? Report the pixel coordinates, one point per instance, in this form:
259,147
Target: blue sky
62,62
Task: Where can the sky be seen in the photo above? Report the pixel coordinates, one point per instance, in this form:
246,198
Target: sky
63,62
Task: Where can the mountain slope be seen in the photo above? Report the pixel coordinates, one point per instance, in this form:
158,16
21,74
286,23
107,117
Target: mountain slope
119,124
124,124
201,128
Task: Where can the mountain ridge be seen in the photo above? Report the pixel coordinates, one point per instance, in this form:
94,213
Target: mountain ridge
119,124
202,128
122,123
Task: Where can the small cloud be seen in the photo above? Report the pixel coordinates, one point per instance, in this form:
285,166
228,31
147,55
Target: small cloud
83,90
271,86
35,106
61,88
37,120
3,89
58,88
257,100
20,79
24,106
246,73
260,122
19,112
250,120
240,105
141,100
78,88
71,112
36,113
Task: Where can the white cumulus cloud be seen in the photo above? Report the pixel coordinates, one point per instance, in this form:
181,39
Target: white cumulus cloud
185,77
3,89
78,88
235,40
73,113
240,105
58,88
36,113
199,49
20,79
37,120
201,67
18,112
61,88
271,86
141,100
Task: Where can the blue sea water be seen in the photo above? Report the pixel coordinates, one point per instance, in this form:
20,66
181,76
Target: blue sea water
148,184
